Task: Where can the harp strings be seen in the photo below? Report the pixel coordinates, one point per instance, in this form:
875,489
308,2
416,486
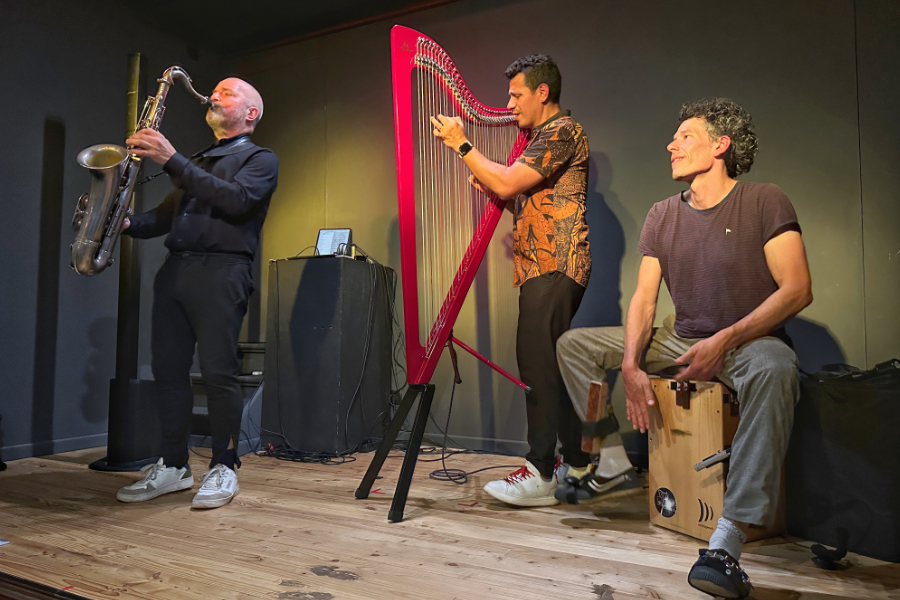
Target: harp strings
449,208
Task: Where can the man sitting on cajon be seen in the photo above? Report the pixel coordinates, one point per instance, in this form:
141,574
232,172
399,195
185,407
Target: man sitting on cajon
733,260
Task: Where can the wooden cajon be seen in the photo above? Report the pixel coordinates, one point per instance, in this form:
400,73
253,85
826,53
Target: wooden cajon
690,422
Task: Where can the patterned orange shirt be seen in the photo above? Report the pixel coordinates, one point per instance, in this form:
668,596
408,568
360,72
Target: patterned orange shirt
549,226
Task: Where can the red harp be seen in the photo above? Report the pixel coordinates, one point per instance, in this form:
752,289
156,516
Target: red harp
445,223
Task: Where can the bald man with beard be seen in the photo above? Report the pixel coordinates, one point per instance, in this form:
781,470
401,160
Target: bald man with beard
212,221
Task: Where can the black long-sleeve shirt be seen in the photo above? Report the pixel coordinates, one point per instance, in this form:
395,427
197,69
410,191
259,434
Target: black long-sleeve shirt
220,203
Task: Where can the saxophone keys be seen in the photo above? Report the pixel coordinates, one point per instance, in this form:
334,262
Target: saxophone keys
80,211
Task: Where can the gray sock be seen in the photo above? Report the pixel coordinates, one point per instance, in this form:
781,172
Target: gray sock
728,537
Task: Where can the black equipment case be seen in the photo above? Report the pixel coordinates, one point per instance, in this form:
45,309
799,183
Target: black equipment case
843,462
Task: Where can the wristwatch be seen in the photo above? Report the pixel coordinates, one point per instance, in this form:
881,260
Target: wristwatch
464,149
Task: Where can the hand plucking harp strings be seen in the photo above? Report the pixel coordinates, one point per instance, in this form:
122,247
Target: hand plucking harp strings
450,130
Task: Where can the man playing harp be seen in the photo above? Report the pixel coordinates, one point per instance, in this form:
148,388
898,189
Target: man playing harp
552,262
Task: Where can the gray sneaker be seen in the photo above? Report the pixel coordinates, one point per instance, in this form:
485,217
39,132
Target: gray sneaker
158,480
219,487
591,487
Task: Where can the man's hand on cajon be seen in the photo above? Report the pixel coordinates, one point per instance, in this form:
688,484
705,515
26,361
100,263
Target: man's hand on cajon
639,397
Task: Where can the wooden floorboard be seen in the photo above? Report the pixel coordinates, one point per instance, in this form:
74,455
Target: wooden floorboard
296,532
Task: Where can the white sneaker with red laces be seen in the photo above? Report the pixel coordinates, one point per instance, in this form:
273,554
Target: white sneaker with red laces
524,487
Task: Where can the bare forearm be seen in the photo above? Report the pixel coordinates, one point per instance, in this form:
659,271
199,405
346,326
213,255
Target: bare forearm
777,308
638,329
504,181
492,175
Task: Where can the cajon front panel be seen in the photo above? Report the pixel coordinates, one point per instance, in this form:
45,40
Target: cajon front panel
686,427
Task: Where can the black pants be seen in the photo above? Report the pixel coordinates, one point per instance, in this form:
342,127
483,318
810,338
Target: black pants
198,300
546,307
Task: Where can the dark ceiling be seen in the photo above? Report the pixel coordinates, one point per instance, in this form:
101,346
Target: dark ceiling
232,27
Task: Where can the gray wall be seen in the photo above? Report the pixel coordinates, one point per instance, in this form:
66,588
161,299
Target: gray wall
64,68
822,114
878,26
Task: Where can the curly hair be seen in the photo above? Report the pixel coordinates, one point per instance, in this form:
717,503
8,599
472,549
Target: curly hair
724,116
538,69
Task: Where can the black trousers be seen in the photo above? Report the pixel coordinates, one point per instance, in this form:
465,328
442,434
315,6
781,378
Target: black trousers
546,307
198,299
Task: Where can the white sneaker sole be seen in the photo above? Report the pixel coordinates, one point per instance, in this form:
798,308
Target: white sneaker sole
175,486
214,502
524,502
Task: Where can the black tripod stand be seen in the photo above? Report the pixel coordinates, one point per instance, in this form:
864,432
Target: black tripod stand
426,392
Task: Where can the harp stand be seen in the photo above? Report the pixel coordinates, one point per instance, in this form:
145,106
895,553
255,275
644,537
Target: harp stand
413,392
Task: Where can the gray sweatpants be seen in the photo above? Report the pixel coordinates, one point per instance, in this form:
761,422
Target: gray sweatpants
763,372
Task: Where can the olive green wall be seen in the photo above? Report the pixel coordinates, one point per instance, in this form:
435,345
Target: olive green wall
819,78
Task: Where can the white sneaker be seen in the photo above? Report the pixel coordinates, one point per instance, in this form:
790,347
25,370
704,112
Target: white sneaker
219,487
158,480
524,487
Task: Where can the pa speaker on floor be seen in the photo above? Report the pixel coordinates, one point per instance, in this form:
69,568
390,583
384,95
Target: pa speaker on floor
328,353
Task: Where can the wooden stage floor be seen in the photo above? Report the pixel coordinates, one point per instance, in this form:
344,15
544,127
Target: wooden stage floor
296,532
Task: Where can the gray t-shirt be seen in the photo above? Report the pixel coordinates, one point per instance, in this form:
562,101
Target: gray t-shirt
713,260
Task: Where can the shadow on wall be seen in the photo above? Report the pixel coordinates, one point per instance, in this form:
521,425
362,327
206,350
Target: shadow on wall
488,404
95,400
814,344
43,387
600,306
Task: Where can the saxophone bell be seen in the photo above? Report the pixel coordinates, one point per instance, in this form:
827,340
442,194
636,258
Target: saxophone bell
105,163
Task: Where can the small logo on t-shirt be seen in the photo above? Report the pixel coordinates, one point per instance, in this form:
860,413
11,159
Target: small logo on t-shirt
727,231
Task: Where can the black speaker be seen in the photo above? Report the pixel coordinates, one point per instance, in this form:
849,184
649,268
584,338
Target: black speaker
328,353
134,438
841,471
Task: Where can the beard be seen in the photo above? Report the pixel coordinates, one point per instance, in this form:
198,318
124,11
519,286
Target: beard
220,121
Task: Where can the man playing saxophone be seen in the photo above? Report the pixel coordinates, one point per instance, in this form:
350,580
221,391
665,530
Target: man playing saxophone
212,221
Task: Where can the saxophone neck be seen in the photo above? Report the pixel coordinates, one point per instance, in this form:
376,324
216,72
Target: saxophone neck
172,74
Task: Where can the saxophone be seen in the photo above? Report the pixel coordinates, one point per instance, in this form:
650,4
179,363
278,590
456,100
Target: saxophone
99,214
